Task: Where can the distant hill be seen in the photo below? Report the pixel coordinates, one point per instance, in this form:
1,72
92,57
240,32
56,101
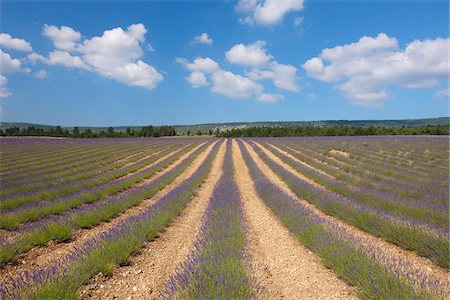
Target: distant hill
183,129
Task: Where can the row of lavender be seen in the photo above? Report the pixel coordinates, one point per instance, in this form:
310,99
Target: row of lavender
113,247
60,227
106,157
215,268
34,188
406,157
410,234
65,169
372,175
56,152
375,275
76,194
353,187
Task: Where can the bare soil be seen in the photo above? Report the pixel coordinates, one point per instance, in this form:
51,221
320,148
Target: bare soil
42,257
302,162
339,152
403,258
284,268
144,278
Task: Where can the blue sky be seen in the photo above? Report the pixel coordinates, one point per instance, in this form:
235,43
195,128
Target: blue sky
186,62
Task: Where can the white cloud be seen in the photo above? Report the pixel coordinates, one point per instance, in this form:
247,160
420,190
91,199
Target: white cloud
266,12
137,31
234,86
9,42
269,98
253,55
197,79
364,70
205,65
9,64
204,39
58,57
3,91
206,70
115,54
283,76
35,57
41,74
442,94
64,38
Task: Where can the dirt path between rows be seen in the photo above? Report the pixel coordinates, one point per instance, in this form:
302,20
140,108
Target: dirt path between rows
288,167
41,257
302,162
400,257
284,268
10,236
144,278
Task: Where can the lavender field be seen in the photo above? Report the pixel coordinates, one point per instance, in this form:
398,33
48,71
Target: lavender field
197,218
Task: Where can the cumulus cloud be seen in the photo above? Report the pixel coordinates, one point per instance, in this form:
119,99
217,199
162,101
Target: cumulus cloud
234,86
115,54
9,42
9,64
270,98
3,91
364,70
205,71
266,12
41,74
58,57
197,79
283,76
253,55
35,57
200,64
64,38
204,39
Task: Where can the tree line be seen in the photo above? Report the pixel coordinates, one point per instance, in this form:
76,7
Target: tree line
341,130
58,131
262,131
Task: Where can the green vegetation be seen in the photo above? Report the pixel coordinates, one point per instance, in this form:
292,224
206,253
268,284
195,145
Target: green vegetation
341,130
146,131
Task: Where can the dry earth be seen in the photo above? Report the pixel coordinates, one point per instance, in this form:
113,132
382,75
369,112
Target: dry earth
158,259
402,258
42,257
281,265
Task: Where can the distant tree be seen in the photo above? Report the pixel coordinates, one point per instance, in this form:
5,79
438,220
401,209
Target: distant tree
13,131
188,132
146,131
110,132
2,133
58,131
198,132
128,131
87,133
210,132
76,132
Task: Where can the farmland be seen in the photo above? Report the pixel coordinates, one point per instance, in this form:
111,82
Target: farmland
190,218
